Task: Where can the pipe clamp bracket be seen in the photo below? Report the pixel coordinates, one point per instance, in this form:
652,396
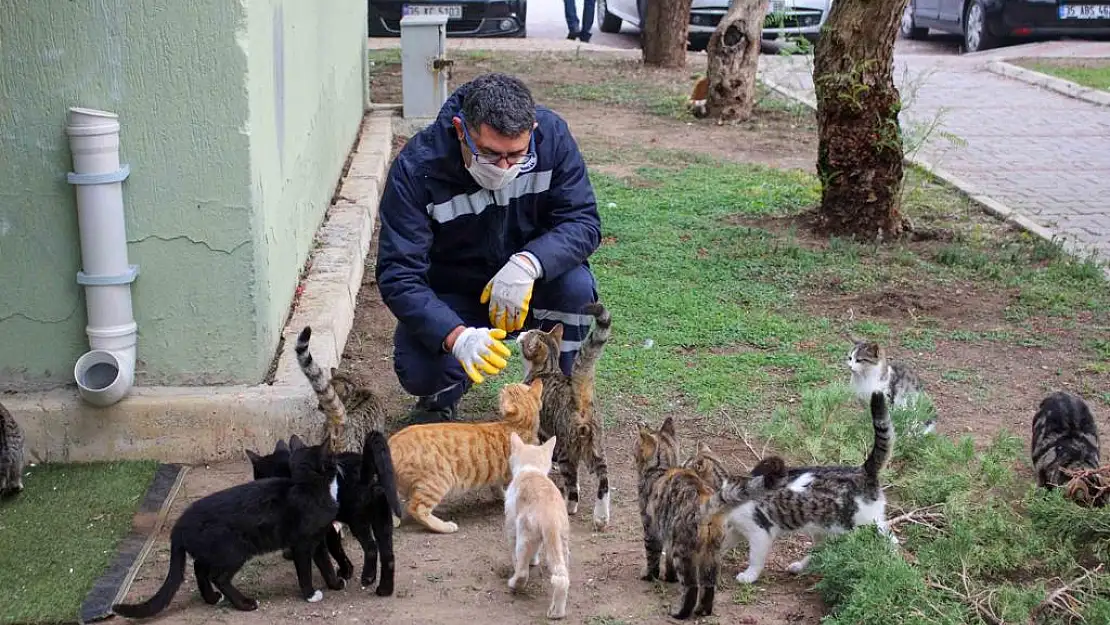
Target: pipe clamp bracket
85,279
119,175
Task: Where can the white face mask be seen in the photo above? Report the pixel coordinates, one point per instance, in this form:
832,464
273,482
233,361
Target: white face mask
490,176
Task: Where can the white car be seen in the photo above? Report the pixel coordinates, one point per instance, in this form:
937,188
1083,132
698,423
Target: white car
785,18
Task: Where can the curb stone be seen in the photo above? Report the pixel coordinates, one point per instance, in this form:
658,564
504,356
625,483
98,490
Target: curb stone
990,205
1052,83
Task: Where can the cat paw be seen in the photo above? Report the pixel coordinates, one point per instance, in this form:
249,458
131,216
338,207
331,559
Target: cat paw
516,582
248,605
648,576
572,507
368,580
213,599
535,560
396,522
747,577
797,567
316,597
338,584
383,590
670,577
556,613
450,527
346,570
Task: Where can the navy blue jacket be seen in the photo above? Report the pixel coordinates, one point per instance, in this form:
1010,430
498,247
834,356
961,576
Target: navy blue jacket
443,233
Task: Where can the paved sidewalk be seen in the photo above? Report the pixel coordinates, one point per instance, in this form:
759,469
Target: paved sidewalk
1041,154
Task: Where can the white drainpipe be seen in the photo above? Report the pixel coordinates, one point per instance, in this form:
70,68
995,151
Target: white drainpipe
106,372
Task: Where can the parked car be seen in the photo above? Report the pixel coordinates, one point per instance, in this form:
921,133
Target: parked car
785,18
988,23
465,18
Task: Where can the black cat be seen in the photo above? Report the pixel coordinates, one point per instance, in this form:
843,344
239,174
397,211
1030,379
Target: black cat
225,529
367,503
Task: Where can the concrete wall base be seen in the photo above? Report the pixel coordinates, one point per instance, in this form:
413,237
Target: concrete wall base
210,423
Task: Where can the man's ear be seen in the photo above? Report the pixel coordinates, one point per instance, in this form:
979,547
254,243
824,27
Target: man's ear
457,123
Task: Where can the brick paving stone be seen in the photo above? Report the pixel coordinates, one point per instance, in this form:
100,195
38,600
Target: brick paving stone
1038,152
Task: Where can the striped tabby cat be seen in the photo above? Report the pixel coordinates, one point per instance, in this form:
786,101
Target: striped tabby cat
431,460
1064,437
707,465
352,411
872,371
569,412
684,516
11,454
816,501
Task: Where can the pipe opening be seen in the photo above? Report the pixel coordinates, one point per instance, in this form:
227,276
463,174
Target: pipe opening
100,376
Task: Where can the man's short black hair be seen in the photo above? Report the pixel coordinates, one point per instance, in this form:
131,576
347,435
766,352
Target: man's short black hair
500,101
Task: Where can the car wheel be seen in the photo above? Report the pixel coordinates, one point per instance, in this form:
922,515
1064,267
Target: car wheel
609,23
976,35
908,28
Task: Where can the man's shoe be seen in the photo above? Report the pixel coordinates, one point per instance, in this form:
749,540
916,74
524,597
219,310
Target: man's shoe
422,414
573,35
585,37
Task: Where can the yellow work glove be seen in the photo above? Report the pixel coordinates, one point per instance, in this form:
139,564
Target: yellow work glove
510,292
481,349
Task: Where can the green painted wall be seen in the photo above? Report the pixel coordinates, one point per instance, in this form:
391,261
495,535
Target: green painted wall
306,103
228,180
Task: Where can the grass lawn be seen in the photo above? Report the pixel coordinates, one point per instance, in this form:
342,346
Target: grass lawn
60,534
1093,73
729,314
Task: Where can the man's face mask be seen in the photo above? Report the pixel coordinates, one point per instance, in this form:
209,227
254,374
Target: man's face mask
486,169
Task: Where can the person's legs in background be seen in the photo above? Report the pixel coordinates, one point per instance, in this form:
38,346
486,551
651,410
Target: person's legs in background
571,14
561,301
587,20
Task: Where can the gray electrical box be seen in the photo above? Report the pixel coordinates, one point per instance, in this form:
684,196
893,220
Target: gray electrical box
424,67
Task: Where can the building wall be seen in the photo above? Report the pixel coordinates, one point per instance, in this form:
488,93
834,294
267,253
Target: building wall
306,93
228,180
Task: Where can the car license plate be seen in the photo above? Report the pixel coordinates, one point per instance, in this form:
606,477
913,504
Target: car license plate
1084,11
452,11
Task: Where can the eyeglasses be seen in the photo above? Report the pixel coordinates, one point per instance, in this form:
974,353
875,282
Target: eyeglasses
493,159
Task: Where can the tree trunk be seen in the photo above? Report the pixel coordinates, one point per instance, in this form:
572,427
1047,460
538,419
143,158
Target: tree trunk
663,37
733,61
859,153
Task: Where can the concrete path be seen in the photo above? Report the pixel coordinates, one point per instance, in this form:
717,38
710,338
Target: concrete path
1039,155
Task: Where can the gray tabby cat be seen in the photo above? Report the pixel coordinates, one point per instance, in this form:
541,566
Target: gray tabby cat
816,501
873,372
352,411
568,411
11,454
1064,437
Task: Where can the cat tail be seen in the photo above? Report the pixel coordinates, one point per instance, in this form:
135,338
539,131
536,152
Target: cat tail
585,362
376,460
162,598
768,475
884,438
556,547
330,404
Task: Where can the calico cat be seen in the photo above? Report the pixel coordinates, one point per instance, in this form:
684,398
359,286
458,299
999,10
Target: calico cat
569,412
225,529
872,371
683,515
433,459
696,103
367,494
352,411
1064,437
535,517
11,454
815,500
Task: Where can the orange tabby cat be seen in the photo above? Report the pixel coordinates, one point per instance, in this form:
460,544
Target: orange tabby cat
431,460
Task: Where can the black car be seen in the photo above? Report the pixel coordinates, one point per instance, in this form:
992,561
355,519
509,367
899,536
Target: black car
987,23
465,18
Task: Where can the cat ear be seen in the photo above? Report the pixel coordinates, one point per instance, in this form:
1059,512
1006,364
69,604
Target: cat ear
281,446
334,372
536,387
550,445
703,448
253,457
295,443
514,442
557,332
668,426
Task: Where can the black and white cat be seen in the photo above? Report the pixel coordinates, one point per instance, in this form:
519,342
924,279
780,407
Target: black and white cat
873,372
224,530
816,501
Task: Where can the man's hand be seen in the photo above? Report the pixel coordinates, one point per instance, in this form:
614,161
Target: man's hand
480,349
510,292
